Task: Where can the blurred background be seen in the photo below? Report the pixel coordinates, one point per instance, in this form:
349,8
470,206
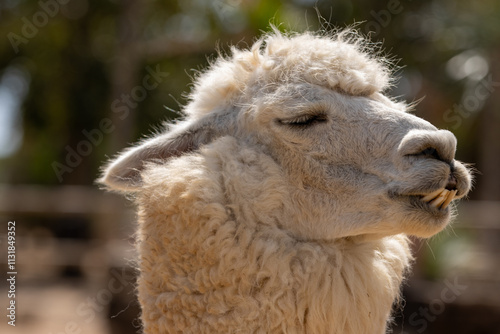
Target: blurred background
82,79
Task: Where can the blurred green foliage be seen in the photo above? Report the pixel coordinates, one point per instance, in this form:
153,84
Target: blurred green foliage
82,55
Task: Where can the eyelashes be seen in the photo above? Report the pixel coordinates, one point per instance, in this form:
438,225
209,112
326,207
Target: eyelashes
305,120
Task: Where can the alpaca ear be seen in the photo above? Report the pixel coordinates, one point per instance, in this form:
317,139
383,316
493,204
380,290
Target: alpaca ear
124,173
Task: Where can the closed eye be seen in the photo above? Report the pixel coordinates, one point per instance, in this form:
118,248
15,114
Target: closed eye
304,120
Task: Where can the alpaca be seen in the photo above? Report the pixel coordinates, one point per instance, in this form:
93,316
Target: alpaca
282,202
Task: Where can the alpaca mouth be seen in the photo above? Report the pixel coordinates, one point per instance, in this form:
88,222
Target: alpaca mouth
440,198
436,201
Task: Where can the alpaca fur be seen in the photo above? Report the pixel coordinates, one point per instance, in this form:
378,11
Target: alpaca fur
281,203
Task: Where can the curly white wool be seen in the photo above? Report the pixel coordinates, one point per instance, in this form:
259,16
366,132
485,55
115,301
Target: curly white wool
233,235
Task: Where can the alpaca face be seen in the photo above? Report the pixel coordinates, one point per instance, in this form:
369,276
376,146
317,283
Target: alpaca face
382,170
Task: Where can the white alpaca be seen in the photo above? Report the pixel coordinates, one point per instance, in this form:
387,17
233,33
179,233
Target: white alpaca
281,202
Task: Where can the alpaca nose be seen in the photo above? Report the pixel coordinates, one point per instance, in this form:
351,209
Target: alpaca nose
433,144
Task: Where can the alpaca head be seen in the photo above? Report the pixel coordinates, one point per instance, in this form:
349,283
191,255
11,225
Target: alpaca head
356,162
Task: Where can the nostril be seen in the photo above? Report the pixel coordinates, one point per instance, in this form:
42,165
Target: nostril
438,145
431,152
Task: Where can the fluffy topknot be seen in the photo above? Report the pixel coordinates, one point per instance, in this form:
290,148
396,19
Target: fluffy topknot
342,61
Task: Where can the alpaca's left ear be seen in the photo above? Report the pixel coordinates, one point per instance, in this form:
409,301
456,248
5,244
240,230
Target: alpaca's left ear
124,173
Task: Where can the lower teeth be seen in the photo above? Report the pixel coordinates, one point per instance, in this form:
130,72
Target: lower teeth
440,198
